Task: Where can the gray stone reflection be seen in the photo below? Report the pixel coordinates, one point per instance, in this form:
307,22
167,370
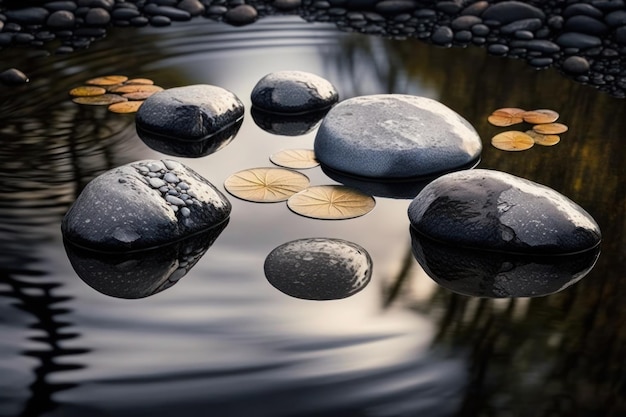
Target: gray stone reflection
319,268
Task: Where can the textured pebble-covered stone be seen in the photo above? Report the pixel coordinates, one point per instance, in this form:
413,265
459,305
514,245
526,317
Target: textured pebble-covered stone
395,136
191,112
292,92
318,268
124,209
493,210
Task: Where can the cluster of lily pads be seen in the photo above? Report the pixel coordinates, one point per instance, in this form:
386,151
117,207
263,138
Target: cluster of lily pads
284,183
118,92
545,131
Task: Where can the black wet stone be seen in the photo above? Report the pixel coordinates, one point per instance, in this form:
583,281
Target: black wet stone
190,113
578,40
531,25
510,11
27,15
112,215
243,14
475,9
586,24
465,22
318,268
13,77
585,9
616,18
61,19
193,7
391,136
60,5
442,36
575,65
492,210
97,17
395,6
293,92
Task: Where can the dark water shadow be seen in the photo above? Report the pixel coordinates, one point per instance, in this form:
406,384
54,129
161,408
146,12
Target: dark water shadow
287,125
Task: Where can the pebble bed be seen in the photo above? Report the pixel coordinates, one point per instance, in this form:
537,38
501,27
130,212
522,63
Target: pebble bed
585,40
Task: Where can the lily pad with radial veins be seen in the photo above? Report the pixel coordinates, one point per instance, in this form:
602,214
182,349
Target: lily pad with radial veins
331,202
266,185
295,158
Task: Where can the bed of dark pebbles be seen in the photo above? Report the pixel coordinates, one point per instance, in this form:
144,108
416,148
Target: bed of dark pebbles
586,40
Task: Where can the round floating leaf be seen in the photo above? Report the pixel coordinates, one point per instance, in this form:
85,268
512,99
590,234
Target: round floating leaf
543,140
506,116
295,158
108,80
142,95
125,106
142,81
266,185
512,140
540,116
87,91
550,128
136,88
101,100
331,202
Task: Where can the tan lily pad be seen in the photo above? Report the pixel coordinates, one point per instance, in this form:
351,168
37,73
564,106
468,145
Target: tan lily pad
125,106
101,100
540,116
87,91
142,81
141,95
136,88
543,140
506,116
550,128
266,185
512,140
295,158
107,80
331,202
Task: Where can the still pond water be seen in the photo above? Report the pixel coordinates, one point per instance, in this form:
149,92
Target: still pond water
223,341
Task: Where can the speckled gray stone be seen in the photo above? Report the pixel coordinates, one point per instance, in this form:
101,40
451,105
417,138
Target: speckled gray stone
319,268
123,210
493,210
390,136
292,92
192,112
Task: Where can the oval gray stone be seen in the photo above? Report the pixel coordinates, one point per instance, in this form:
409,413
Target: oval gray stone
319,268
192,112
293,92
492,210
120,210
391,136
510,11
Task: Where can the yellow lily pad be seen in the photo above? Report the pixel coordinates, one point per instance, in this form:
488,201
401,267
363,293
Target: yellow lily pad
135,88
550,128
125,106
107,80
87,91
540,116
295,158
266,185
543,140
142,81
140,95
506,116
101,100
512,140
331,202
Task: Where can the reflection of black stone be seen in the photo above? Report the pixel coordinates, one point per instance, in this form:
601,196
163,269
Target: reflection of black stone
170,145
287,125
143,273
318,268
491,274
405,188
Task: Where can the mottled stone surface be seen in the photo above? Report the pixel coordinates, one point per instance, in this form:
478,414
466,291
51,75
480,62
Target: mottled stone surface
395,136
319,268
142,205
494,210
292,92
190,113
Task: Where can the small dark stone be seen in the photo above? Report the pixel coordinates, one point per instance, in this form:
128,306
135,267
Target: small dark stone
463,36
475,9
543,46
97,17
575,65
13,77
498,49
578,40
541,62
61,19
395,6
28,15
524,24
586,24
465,22
480,30
510,11
193,7
54,6
620,35
160,21
442,36
124,13
241,15
448,7
584,9
616,18
174,14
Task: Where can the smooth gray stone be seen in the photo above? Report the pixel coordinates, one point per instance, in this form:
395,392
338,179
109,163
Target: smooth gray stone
391,136
292,92
510,11
492,210
121,211
190,113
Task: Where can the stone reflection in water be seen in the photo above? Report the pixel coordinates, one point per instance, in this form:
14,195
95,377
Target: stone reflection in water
143,273
481,273
287,125
318,268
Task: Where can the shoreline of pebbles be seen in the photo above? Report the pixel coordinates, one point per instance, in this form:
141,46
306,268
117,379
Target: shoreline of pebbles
584,40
